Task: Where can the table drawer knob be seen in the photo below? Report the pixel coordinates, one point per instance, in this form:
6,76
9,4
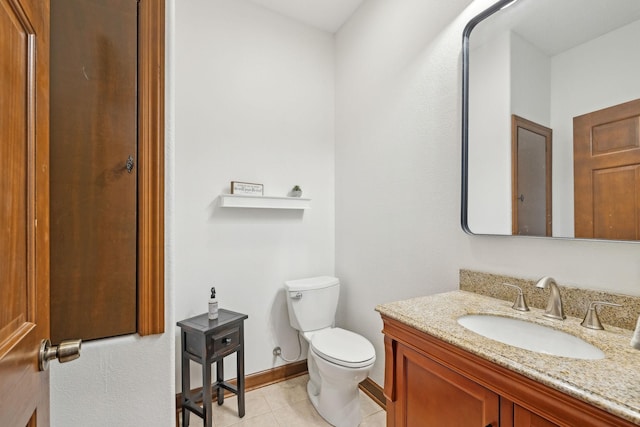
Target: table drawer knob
226,341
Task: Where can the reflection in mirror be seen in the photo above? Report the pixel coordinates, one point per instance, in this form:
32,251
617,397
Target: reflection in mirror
570,67
531,178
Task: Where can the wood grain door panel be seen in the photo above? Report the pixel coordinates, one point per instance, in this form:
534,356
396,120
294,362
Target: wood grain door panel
15,132
24,214
615,192
430,394
94,196
607,173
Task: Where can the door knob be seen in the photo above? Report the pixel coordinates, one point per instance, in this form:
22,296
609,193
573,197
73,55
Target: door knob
66,351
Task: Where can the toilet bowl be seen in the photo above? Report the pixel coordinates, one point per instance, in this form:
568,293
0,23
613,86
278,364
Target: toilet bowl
338,359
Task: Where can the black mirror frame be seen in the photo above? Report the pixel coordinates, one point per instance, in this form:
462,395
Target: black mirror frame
465,106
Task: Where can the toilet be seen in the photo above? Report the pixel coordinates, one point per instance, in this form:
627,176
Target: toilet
337,359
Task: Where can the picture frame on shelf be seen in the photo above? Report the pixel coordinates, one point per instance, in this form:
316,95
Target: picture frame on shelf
247,188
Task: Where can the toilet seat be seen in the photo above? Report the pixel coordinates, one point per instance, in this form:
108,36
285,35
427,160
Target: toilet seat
342,347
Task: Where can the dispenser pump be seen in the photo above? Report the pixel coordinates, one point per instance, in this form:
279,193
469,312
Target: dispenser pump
213,305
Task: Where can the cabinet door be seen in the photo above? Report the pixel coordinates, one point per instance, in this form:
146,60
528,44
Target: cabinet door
430,394
525,418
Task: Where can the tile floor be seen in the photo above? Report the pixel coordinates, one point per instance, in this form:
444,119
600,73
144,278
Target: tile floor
284,404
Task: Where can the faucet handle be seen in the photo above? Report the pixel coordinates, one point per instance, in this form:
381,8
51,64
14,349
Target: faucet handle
520,304
591,319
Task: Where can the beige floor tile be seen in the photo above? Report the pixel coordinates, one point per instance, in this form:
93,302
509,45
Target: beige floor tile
194,421
283,404
379,419
227,414
299,414
286,393
368,406
265,420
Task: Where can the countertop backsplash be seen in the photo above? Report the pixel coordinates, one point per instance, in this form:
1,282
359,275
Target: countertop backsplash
574,300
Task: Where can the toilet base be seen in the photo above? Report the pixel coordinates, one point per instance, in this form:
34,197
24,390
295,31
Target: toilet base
334,391
338,409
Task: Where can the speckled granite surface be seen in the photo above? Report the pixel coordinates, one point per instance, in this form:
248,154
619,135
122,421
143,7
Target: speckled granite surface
612,383
574,300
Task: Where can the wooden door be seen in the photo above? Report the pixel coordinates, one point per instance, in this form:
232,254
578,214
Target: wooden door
531,178
429,394
93,193
607,173
24,210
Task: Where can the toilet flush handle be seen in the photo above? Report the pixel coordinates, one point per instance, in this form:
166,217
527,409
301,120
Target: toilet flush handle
296,295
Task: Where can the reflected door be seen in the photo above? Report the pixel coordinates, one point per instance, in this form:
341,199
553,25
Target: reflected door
531,176
607,173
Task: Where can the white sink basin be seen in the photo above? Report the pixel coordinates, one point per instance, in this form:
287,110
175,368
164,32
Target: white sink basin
530,336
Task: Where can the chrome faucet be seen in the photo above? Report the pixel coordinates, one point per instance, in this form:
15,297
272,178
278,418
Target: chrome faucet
554,306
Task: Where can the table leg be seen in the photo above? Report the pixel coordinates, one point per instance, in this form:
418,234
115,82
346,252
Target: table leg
240,377
186,382
220,379
206,394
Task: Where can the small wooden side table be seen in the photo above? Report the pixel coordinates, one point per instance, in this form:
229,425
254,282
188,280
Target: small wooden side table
208,341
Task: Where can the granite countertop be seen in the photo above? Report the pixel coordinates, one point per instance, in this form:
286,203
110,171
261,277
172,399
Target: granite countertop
612,383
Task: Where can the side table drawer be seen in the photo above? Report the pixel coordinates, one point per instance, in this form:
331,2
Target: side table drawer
224,342
219,344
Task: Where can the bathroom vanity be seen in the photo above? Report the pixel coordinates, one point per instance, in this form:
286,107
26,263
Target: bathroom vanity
440,373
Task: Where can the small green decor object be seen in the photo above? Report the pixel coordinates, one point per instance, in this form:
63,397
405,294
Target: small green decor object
296,191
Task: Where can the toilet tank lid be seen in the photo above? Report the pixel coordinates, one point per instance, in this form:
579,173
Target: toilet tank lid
311,283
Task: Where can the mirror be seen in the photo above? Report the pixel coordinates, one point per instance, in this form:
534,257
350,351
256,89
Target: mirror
551,120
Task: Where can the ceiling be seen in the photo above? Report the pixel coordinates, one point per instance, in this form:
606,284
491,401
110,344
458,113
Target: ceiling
327,15
555,26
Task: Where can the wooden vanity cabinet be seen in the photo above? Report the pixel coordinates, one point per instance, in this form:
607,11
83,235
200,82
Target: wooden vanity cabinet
429,382
525,418
430,394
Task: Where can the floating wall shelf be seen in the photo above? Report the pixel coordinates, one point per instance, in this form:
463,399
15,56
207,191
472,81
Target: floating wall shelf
263,202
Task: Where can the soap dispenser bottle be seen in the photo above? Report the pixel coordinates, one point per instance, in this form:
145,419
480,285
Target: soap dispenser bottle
635,338
213,305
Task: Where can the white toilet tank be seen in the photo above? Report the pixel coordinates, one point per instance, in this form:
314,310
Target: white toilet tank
312,302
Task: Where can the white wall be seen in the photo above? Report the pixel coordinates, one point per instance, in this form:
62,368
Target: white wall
398,92
397,157
530,82
128,381
584,81
255,103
